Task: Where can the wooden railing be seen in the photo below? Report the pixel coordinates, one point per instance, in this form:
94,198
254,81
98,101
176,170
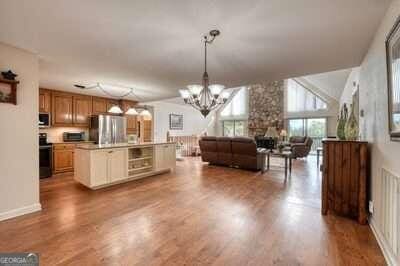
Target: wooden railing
189,144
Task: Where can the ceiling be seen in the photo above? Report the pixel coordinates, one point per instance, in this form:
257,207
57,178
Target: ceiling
155,46
332,83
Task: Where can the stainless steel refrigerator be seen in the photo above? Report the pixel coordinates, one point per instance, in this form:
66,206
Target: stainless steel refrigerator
107,129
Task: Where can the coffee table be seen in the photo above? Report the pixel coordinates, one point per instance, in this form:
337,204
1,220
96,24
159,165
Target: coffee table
286,155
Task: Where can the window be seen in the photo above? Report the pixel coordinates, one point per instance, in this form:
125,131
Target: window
238,105
300,99
296,127
233,128
314,128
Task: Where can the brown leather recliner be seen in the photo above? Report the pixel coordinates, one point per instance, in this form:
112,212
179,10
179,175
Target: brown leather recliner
246,155
208,148
235,152
224,151
300,146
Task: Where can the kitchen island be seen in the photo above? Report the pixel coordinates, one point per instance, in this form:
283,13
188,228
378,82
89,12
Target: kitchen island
101,165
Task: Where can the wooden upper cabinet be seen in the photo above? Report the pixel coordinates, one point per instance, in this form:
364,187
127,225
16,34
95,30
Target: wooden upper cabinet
111,103
131,120
62,109
147,130
82,110
44,101
99,105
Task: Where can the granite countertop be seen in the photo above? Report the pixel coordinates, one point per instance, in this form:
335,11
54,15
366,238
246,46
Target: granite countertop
119,145
72,142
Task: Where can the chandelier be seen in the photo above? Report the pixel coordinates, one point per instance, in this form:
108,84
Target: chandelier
205,97
116,109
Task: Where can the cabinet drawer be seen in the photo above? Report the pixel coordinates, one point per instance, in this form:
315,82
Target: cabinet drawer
64,146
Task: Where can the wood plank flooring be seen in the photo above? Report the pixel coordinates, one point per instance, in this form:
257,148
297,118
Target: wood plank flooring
198,215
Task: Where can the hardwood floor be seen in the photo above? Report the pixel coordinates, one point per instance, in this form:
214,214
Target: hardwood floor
199,215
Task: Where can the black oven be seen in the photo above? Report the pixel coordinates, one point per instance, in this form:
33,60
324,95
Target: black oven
45,156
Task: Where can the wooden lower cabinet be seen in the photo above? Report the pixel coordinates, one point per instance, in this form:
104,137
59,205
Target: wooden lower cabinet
108,166
100,167
63,158
165,156
117,164
344,179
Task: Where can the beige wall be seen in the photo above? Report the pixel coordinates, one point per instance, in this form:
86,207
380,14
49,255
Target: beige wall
19,158
374,125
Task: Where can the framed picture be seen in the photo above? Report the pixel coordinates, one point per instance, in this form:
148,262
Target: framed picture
393,79
175,122
8,91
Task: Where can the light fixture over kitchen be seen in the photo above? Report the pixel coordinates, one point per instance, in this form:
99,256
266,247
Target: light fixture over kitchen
107,89
205,97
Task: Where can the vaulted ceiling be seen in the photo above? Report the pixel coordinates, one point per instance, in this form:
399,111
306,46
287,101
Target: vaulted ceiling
155,45
332,83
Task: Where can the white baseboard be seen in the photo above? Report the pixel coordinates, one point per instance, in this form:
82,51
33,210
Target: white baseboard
387,253
20,211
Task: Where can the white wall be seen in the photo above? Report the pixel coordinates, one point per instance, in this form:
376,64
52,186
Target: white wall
19,151
347,95
330,113
193,122
374,124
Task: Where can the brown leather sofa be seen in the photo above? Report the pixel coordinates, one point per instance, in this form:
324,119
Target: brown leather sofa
300,146
234,152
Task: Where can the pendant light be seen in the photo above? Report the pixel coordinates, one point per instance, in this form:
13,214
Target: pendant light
115,109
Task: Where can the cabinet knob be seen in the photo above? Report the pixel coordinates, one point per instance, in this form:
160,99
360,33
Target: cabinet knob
110,152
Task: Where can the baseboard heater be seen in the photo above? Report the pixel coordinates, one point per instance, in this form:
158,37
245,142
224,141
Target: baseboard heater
390,207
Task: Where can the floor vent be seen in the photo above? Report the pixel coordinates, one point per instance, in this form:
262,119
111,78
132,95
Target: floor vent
391,210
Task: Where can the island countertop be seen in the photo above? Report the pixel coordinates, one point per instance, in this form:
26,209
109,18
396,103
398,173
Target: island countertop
118,145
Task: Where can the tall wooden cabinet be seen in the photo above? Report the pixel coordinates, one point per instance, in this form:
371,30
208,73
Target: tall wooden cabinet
344,181
131,120
82,110
147,130
44,101
62,108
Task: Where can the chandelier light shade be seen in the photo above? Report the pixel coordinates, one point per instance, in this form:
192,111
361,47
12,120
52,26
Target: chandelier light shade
216,89
205,97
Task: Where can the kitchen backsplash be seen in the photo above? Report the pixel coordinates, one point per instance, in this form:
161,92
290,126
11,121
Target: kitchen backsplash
55,134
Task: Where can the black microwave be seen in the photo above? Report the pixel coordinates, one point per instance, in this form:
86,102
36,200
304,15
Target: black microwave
44,120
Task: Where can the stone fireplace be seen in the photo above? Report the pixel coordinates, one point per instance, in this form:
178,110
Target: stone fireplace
265,107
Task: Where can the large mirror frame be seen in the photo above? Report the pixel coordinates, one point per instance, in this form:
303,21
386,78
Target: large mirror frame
393,80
